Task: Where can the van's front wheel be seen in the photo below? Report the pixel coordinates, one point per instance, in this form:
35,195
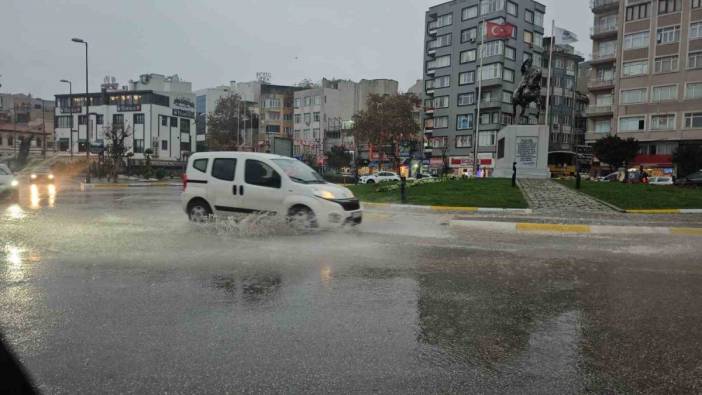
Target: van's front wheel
301,218
199,212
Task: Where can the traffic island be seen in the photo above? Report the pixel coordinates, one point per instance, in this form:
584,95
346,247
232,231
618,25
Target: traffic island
643,198
570,229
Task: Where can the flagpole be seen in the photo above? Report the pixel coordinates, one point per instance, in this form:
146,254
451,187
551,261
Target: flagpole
479,75
548,83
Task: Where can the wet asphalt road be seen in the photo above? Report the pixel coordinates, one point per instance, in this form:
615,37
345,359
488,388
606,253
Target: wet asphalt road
115,292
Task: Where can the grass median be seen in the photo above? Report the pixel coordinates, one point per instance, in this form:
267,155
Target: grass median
491,192
641,196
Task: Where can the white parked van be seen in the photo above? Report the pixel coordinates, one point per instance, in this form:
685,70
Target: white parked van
225,183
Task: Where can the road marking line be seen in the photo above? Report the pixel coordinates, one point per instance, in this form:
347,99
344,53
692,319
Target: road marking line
553,228
447,208
655,211
686,231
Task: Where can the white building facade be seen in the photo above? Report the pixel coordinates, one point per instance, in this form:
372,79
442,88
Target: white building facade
158,112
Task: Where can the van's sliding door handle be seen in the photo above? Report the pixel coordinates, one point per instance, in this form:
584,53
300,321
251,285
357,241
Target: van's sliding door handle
234,190
241,190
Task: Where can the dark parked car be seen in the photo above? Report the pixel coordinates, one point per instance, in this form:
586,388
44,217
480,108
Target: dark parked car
694,179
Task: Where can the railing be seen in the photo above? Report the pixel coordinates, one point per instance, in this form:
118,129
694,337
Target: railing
599,4
599,110
605,56
600,83
601,29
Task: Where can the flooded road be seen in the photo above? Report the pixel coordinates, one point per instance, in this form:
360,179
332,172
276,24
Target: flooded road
117,292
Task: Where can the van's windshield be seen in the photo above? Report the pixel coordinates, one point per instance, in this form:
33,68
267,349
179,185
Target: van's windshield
299,172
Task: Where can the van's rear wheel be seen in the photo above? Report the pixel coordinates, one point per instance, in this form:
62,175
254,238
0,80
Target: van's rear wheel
199,212
301,218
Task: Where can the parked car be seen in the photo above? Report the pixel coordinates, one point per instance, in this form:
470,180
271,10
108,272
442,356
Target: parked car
694,179
665,180
609,177
8,182
383,176
227,183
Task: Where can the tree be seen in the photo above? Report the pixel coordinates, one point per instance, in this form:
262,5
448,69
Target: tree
224,123
388,121
25,142
148,170
338,157
614,151
688,159
116,149
307,83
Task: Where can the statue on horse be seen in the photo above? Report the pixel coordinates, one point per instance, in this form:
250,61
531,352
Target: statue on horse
529,91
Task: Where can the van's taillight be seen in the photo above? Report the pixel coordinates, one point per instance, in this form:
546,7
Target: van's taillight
185,181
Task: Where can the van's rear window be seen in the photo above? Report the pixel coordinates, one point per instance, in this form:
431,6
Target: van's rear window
200,164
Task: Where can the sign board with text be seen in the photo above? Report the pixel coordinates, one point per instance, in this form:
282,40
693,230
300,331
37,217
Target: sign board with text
527,151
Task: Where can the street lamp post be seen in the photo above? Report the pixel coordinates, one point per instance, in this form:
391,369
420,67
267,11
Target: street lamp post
70,110
87,109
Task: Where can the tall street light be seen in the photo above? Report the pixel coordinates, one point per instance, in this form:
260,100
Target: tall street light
70,109
87,108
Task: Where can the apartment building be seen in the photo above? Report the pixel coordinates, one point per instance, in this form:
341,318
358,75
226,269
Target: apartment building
158,111
22,116
451,74
647,76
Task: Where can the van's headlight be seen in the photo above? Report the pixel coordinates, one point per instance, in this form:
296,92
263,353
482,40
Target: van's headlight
33,176
14,183
325,194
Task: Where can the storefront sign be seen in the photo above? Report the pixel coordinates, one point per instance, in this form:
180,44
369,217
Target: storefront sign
183,102
527,152
177,112
461,161
128,107
486,160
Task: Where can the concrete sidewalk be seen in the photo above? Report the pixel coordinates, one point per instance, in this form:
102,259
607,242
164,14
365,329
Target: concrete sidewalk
113,186
448,209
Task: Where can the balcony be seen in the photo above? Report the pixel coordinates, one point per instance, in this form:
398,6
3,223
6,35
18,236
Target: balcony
430,92
604,57
595,85
484,105
599,111
431,52
429,111
431,71
598,6
603,31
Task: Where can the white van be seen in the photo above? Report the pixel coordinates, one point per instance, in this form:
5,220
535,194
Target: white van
225,183
8,182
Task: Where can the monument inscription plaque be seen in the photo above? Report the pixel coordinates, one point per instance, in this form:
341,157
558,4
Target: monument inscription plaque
527,152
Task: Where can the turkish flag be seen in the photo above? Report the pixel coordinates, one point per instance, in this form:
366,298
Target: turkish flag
495,30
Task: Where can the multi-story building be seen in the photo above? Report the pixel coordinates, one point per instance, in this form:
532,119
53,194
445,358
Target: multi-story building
158,112
275,110
451,73
205,104
567,104
647,76
23,116
323,115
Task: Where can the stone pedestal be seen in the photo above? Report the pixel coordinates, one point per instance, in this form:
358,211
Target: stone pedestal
528,146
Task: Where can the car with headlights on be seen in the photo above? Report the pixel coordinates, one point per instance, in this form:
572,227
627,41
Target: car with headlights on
231,183
41,176
9,184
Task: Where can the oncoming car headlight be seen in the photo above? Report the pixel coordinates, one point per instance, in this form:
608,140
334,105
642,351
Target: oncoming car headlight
14,183
33,176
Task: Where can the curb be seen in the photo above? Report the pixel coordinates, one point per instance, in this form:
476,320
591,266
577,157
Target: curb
87,187
449,209
666,211
562,229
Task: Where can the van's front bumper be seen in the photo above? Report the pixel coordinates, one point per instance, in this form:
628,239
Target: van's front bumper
338,213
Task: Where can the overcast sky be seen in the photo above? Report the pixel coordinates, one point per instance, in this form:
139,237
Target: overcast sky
210,42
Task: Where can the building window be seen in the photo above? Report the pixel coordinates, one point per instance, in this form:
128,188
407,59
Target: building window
118,120
469,35
308,101
664,93
603,126
464,122
441,102
508,75
696,3
636,40
631,69
466,78
693,120
164,120
185,126
488,118
82,120
529,16
138,146
298,118
64,121
694,90
487,139
468,56
174,122
316,117
694,60
318,98
439,82
464,141
440,41
164,145
440,122
512,8
633,96
441,61
666,64
469,12
491,71
668,6
636,12
443,20
297,102
439,142
493,48
695,30
490,6
528,37
510,53
538,19
466,99
668,35
138,119
632,124
507,97
663,122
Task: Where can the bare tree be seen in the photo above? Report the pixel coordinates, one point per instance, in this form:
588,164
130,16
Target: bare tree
224,124
25,142
116,149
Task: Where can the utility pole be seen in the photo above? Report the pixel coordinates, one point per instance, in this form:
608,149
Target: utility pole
87,109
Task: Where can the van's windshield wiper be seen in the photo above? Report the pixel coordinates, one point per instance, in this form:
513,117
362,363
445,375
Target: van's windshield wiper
300,180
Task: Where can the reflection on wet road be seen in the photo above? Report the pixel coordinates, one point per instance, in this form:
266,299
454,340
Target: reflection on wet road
115,290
